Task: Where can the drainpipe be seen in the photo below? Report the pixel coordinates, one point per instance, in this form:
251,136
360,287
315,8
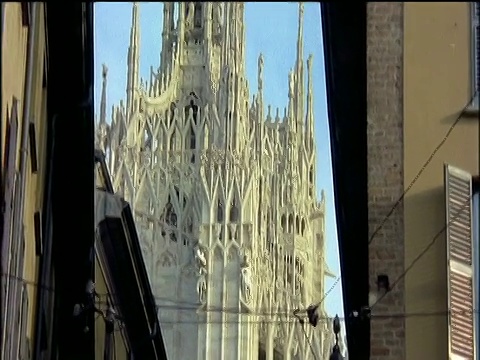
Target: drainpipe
21,183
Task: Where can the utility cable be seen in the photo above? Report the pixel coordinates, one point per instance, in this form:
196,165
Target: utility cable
423,168
196,307
425,250
415,179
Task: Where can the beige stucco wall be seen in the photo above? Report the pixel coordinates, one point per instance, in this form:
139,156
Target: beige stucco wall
436,89
14,50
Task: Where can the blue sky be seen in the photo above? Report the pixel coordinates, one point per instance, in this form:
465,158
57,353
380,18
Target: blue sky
271,29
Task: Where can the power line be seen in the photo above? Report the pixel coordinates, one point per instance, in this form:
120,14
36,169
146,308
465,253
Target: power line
286,316
415,179
424,251
422,169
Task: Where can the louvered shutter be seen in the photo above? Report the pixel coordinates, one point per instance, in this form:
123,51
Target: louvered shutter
458,189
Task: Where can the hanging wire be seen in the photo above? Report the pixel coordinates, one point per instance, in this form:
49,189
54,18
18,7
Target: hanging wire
425,250
409,187
288,316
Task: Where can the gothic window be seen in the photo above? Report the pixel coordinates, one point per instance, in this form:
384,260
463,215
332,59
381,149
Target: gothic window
288,265
219,211
198,15
189,226
234,211
297,225
170,114
194,108
192,138
283,223
290,223
172,141
303,227
170,215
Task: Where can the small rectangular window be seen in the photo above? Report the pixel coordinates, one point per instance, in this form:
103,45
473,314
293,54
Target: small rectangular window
33,147
37,223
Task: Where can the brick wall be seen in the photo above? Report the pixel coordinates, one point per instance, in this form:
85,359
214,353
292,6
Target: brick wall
385,170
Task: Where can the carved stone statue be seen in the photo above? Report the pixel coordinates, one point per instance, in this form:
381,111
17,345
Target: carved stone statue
202,285
201,265
298,284
246,282
200,258
291,84
260,72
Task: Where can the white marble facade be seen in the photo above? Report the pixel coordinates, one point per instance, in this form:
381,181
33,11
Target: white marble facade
223,190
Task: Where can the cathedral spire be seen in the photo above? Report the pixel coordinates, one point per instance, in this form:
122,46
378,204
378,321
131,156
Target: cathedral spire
168,27
103,101
310,119
133,61
299,74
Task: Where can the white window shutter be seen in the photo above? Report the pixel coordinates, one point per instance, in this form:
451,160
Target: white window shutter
458,191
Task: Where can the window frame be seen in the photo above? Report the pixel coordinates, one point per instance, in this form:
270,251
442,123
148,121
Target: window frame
475,53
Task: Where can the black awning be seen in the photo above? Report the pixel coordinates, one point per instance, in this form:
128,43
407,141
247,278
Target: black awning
132,295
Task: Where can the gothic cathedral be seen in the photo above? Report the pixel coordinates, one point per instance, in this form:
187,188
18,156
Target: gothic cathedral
223,191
